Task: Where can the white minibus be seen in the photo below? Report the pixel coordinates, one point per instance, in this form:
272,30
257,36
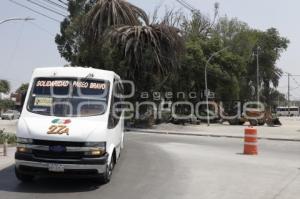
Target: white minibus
69,124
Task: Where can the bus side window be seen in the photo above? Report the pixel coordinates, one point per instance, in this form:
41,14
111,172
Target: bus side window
115,110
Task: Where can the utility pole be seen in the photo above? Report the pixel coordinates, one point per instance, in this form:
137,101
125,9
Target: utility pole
257,74
289,90
16,19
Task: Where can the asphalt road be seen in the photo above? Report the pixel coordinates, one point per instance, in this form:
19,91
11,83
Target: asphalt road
183,167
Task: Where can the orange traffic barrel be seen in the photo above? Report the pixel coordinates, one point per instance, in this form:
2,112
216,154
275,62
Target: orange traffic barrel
250,141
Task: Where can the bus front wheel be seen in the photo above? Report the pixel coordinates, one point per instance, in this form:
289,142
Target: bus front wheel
105,178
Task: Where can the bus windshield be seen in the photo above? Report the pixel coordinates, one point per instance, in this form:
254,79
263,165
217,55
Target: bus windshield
68,97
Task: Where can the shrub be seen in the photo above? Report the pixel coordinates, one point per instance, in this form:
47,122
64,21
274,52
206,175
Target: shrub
11,138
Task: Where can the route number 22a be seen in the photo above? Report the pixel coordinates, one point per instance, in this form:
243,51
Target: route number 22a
58,129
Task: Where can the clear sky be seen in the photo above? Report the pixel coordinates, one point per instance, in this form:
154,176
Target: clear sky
24,45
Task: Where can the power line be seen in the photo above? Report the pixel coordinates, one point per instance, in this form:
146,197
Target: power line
63,2
42,29
37,12
295,80
289,89
46,8
55,4
16,47
184,4
286,74
292,89
188,4
48,4
298,85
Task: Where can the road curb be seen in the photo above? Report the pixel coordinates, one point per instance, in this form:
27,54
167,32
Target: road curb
8,164
150,131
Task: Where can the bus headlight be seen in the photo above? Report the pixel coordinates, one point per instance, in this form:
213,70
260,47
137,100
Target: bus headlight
22,145
95,148
23,149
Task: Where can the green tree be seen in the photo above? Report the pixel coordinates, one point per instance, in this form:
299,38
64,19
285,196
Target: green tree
224,71
271,46
170,54
23,89
243,42
4,86
6,104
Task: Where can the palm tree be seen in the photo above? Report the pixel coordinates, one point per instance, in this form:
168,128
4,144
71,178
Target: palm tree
150,49
4,86
128,28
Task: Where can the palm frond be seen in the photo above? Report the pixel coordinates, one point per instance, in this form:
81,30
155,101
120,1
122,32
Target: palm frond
276,75
162,41
112,13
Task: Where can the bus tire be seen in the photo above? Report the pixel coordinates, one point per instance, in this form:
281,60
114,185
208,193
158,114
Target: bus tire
106,176
108,172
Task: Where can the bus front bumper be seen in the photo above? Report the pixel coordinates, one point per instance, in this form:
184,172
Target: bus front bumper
30,165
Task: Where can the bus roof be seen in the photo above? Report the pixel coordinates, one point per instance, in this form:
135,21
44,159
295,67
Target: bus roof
288,107
80,72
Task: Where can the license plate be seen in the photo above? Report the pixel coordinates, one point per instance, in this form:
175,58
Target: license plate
56,168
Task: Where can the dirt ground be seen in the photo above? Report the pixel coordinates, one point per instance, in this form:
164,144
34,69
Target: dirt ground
290,129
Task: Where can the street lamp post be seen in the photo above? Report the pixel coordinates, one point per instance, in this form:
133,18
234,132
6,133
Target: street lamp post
206,82
16,19
257,74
